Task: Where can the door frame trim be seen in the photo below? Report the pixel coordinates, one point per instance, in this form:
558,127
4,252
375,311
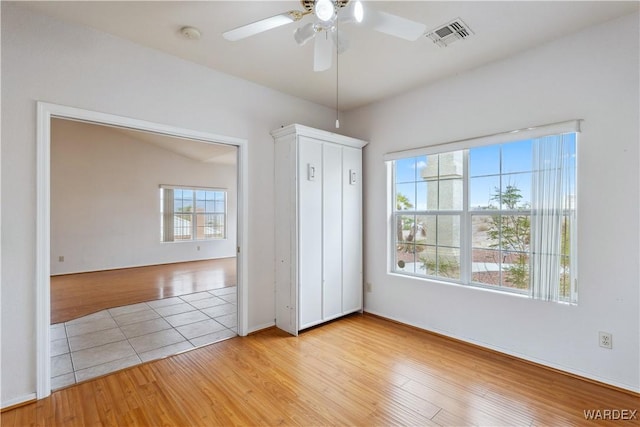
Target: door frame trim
45,112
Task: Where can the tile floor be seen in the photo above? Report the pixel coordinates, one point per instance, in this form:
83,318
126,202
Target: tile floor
120,337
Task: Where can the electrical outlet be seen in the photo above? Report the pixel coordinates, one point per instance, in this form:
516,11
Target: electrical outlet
605,340
368,287
61,258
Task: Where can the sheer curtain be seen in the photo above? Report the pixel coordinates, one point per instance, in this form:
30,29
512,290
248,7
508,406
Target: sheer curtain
167,215
552,208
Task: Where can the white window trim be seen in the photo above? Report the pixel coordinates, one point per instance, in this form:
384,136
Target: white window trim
497,138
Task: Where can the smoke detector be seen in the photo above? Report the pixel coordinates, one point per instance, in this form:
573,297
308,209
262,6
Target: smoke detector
448,33
190,33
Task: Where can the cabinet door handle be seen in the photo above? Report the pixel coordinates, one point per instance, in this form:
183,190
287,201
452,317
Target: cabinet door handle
352,177
311,172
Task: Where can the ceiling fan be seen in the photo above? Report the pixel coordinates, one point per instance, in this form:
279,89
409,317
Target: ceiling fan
328,15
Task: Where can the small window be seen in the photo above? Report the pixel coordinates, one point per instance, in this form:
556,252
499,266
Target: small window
500,215
192,214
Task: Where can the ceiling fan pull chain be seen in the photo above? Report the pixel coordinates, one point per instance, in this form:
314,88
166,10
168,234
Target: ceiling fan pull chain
337,74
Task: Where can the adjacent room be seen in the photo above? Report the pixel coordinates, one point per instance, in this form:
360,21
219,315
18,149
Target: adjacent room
143,242
320,212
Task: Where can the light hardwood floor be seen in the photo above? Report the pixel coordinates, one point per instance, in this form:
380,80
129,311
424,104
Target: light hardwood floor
76,295
360,370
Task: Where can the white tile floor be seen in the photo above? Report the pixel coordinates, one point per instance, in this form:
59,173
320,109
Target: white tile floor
117,338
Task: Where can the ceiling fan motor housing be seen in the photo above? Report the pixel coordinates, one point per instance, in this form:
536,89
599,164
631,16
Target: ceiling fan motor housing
309,4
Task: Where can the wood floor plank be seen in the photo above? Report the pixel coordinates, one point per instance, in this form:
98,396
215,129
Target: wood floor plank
360,370
76,295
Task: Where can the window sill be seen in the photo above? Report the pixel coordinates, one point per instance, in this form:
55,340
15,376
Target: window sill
460,284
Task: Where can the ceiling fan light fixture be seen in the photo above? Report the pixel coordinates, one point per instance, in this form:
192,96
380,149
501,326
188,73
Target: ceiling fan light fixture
324,10
358,11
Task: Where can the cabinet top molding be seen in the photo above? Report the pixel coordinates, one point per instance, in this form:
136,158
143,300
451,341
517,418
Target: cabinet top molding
296,129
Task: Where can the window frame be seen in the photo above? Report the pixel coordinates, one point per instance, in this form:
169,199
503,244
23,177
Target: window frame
427,212
194,213
467,213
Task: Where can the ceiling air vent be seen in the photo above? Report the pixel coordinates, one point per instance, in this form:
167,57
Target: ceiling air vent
446,34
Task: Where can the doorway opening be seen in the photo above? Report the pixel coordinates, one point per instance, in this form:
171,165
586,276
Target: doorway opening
116,290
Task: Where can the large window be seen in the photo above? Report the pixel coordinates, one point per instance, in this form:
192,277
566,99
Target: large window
497,215
192,213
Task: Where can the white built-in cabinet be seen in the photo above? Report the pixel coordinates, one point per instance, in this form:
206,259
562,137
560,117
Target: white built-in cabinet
318,220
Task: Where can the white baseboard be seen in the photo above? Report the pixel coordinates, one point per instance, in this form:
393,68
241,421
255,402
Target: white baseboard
260,327
18,400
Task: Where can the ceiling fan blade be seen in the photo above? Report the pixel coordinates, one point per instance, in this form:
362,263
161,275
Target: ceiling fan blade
341,40
322,52
303,34
261,26
393,25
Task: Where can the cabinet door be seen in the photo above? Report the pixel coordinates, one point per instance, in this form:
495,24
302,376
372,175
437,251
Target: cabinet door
352,230
332,230
309,232
286,168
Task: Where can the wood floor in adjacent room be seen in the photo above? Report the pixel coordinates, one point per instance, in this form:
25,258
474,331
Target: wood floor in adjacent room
77,295
360,370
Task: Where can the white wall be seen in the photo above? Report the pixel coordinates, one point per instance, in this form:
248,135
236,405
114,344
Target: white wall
105,200
44,59
592,75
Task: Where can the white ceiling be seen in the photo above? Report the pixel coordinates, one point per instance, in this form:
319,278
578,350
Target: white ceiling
375,67
200,151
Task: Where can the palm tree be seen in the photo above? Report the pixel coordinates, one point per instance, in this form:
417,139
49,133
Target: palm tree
402,224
